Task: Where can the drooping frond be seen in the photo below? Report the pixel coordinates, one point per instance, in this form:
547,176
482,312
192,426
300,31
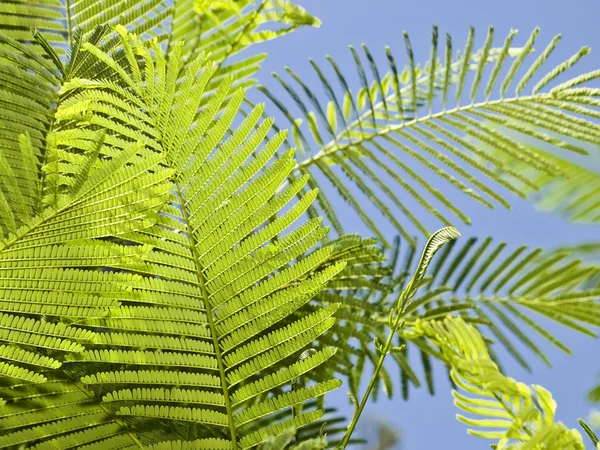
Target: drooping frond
514,288
200,340
519,417
439,121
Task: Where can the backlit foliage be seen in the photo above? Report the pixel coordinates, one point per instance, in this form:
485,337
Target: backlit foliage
169,280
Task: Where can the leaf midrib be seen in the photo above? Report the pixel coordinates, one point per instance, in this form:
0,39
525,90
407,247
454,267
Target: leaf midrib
332,148
209,316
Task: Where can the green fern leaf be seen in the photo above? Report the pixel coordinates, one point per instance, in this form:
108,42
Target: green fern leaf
403,124
518,416
503,293
220,254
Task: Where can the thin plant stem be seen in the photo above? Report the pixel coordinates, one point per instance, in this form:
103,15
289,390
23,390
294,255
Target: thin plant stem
384,351
435,242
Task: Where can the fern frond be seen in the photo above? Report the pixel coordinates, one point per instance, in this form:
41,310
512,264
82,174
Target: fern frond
50,231
503,292
42,48
518,416
391,123
222,268
29,85
510,290
233,26
574,194
51,286
57,21
59,410
45,15
225,31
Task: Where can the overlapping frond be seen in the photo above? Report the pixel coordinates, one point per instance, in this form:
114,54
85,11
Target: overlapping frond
517,416
28,91
364,272
48,16
61,211
36,60
41,49
51,285
222,28
226,28
199,343
48,256
439,121
573,195
505,293
61,411
214,323
57,20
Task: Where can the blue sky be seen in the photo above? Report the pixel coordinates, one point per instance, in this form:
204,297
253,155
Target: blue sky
426,422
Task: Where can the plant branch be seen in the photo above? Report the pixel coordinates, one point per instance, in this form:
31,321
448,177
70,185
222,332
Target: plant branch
398,322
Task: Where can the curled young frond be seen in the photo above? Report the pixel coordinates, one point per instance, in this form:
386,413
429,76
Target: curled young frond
503,291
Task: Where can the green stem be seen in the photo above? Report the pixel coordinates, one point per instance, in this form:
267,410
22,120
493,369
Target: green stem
435,242
69,25
384,352
512,414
